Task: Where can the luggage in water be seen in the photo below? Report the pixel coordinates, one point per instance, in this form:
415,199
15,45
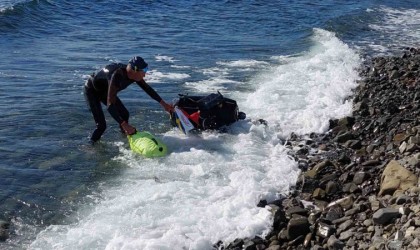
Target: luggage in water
206,112
146,144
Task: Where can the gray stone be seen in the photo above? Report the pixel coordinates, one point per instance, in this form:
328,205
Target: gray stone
346,235
361,216
395,245
353,144
394,75
346,121
385,215
414,160
307,240
331,187
375,205
352,211
370,148
403,147
282,235
312,218
275,247
411,147
312,173
360,106
334,213
296,210
410,232
297,226
415,244
402,199
334,244
317,247
342,138
378,242
359,178
341,220
367,222
350,188
351,242
346,225
414,139
324,230
249,245
319,193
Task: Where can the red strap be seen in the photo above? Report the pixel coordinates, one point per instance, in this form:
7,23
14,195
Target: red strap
195,117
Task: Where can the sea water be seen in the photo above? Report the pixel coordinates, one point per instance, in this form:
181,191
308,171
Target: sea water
292,64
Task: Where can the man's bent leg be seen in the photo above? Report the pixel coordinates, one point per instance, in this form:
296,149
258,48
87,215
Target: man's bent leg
97,112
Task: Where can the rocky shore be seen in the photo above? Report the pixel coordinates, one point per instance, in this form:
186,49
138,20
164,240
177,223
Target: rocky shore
359,186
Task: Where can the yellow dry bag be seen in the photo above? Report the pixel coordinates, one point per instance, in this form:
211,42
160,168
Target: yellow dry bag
146,144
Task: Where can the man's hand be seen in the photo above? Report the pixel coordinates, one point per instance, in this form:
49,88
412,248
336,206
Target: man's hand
128,129
166,106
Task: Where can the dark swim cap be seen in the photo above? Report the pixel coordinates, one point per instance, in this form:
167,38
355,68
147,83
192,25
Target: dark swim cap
137,63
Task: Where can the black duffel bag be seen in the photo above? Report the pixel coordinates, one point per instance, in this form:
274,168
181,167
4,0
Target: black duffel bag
212,111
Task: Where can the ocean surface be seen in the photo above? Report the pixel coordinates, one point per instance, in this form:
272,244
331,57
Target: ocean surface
292,63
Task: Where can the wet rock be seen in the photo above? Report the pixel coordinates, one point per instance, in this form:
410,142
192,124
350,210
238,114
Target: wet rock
307,240
297,226
331,188
278,215
249,245
237,243
342,138
312,173
296,210
319,193
4,230
385,215
346,121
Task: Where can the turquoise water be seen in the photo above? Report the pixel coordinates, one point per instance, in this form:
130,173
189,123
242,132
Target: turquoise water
290,63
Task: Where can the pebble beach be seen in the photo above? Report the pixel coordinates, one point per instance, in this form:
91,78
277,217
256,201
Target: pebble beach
359,185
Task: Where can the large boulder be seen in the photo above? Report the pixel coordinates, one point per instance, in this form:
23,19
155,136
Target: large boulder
396,177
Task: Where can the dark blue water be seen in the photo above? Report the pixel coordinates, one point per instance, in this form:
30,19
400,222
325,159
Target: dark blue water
48,48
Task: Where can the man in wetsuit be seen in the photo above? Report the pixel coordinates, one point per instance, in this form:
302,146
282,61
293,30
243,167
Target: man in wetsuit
104,86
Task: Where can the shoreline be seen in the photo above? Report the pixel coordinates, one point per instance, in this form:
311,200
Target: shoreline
359,186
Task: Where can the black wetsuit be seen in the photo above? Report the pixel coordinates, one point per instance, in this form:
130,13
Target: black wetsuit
96,90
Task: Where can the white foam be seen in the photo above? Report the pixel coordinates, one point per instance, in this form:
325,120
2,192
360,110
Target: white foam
303,95
204,191
160,58
243,63
211,85
399,28
180,66
9,4
155,76
208,187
